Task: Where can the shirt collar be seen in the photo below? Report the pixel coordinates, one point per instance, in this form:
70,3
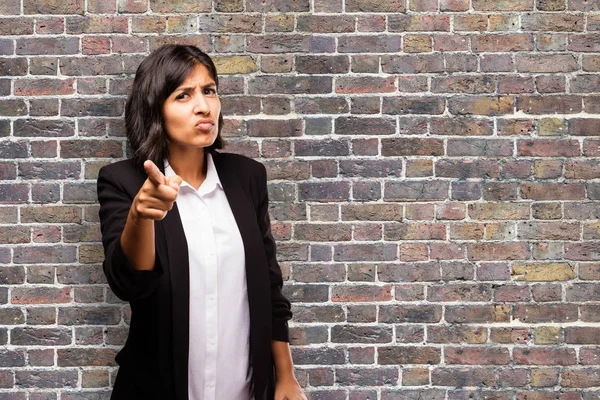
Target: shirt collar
211,182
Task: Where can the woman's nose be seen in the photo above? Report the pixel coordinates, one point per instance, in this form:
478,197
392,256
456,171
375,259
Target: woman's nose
201,105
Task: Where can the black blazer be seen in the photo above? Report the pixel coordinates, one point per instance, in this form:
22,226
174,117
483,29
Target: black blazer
154,361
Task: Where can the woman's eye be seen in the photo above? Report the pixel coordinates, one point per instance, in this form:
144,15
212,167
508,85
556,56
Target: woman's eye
210,91
181,96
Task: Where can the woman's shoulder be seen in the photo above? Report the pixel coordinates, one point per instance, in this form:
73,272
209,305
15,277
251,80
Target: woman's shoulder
241,163
122,171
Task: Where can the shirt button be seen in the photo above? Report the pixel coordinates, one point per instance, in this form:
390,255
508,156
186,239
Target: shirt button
211,298
212,342
212,385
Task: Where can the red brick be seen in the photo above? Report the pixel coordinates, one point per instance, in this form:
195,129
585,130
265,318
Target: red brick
451,251
463,84
96,24
411,272
580,378
412,64
356,85
585,43
445,43
476,314
503,5
491,106
479,147
53,7
369,44
365,252
129,45
544,356
461,62
476,355
546,313
325,23
548,148
448,376
584,84
392,6
41,295
551,84
371,23
557,22
418,23
408,355
502,42
470,22
511,293
43,87
460,292
498,251
454,5
361,293
552,191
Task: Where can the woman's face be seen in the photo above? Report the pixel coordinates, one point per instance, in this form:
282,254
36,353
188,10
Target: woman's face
191,112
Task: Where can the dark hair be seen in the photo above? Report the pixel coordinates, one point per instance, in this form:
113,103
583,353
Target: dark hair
159,75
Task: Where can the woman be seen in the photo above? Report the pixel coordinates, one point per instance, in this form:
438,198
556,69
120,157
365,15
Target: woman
187,242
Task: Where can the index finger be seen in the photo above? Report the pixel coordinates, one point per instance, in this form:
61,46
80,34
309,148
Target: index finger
154,173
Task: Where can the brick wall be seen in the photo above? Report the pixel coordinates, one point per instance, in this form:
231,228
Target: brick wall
434,178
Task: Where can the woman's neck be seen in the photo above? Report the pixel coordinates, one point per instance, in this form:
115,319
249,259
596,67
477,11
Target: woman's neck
190,165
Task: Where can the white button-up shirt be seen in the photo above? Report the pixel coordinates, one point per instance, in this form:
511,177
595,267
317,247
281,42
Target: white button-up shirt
219,349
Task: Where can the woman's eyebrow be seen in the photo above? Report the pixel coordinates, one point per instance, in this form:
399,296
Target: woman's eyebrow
187,88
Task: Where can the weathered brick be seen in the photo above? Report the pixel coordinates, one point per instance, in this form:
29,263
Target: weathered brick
408,355
543,272
366,377
369,44
46,379
360,334
28,336
467,169
498,105
91,148
463,292
290,43
552,22
393,6
543,356
53,7
498,251
43,45
476,313
550,84
584,127
409,272
502,42
86,357
552,191
412,64
357,85
476,355
415,190
44,254
463,84
413,105
585,42
318,356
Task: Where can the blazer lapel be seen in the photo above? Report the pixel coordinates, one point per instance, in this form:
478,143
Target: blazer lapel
256,278
177,250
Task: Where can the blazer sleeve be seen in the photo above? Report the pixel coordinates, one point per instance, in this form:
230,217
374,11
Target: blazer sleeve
280,305
127,283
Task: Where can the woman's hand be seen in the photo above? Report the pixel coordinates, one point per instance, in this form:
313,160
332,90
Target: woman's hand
288,389
156,196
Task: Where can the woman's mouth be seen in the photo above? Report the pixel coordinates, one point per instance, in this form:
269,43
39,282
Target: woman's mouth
204,125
